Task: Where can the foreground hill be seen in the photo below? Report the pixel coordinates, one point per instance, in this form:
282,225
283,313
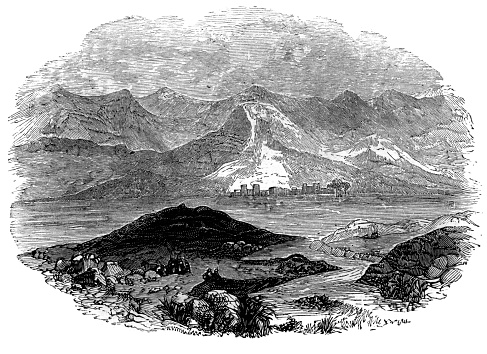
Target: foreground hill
199,231
428,261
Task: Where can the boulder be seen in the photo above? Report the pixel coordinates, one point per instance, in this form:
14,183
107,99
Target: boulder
433,272
139,271
192,323
151,275
315,245
450,276
77,263
92,277
325,248
453,260
226,310
228,245
441,262
111,280
62,265
201,312
180,298
66,278
112,269
337,252
132,279
247,248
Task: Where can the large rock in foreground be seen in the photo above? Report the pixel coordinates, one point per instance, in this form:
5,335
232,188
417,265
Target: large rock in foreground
408,269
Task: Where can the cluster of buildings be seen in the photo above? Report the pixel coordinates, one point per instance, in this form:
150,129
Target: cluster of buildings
255,191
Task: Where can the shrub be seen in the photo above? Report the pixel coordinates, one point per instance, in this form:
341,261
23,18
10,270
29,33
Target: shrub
177,312
291,325
255,317
318,302
326,325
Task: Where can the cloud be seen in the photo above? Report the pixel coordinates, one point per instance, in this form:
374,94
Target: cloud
227,51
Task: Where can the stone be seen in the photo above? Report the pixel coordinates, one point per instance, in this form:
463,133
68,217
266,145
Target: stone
201,312
111,280
151,275
315,245
192,323
62,265
450,276
247,248
228,245
66,278
226,309
112,269
337,252
92,277
132,279
441,262
433,272
453,260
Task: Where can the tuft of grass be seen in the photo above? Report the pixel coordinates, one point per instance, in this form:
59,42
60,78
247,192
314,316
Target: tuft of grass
176,312
327,325
255,317
291,325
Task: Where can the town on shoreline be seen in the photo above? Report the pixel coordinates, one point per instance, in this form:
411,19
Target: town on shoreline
337,187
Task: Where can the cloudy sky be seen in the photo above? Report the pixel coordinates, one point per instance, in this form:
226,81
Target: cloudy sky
225,52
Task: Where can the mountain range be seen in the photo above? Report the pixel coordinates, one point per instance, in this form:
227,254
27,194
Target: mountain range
118,145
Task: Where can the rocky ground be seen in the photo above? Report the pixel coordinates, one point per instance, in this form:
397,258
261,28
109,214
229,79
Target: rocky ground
413,268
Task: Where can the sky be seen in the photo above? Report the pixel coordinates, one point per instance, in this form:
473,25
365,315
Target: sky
225,51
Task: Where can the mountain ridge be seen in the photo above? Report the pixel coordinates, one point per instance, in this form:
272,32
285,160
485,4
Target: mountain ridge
253,137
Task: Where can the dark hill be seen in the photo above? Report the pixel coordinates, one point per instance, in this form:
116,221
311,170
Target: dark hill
197,231
288,268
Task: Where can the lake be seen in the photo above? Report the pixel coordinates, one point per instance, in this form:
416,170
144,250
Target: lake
35,224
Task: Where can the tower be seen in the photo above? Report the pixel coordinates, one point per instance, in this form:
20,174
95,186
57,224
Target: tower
243,190
256,189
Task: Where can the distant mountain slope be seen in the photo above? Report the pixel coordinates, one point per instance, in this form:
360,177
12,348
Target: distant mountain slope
185,118
394,143
116,118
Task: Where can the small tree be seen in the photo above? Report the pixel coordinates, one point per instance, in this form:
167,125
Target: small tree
340,187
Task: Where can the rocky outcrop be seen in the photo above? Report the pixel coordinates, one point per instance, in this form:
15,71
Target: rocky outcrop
411,267
318,245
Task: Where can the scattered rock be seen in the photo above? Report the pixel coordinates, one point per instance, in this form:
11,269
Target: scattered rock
151,275
92,277
112,269
111,280
450,276
62,265
132,279
433,272
453,260
201,312
441,262
226,308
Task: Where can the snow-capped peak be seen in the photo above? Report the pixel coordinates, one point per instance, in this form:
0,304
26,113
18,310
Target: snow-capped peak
385,149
